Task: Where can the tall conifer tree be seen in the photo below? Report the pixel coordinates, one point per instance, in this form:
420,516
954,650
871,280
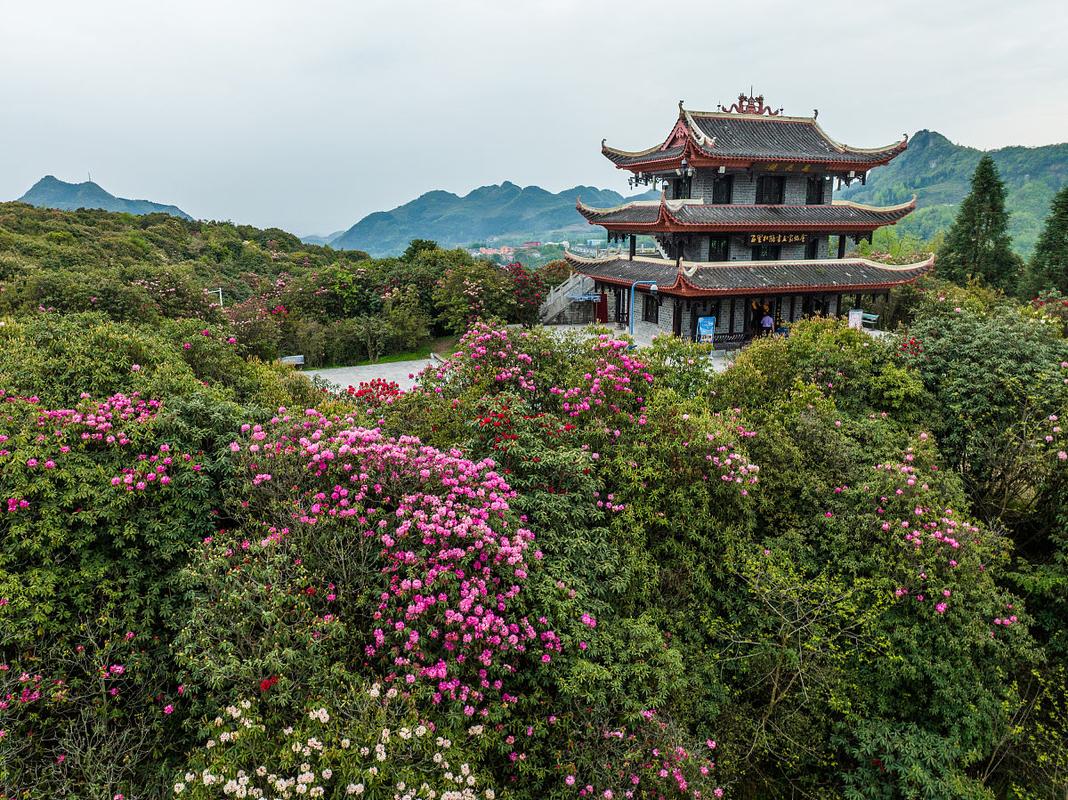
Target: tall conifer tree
1048,268
978,245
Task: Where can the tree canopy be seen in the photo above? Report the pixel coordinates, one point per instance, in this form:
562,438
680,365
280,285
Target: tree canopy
1048,267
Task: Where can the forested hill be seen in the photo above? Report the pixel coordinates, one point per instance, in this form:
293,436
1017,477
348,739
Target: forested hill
50,192
939,172
500,210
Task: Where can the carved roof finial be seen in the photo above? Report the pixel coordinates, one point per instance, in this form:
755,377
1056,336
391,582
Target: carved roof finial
815,113
751,104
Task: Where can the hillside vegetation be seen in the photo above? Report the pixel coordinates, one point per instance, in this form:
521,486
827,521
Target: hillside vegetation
283,296
939,172
555,568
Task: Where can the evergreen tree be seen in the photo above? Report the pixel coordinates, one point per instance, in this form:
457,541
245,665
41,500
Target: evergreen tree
1048,268
978,245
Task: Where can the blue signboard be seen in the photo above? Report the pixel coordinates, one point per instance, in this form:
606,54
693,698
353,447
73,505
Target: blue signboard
706,329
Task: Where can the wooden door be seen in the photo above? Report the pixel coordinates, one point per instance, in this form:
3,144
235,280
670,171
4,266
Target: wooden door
602,308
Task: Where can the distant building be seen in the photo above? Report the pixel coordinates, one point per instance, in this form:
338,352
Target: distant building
743,225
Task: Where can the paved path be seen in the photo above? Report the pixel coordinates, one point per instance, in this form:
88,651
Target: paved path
720,359
399,371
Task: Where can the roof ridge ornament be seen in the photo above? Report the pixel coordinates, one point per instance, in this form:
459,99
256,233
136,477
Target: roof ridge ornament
698,135
750,104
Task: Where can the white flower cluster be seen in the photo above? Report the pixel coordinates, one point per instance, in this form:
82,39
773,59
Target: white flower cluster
359,772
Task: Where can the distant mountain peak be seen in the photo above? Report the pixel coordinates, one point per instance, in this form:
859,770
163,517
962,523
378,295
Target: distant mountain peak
939,171
51,192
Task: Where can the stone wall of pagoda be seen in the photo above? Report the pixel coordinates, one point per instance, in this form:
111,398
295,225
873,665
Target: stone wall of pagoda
744,191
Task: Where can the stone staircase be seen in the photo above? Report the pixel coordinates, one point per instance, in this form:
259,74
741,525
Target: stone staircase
558,300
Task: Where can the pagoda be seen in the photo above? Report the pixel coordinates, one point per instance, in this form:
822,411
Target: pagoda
743,225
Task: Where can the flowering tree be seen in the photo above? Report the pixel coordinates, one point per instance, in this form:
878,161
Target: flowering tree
528,288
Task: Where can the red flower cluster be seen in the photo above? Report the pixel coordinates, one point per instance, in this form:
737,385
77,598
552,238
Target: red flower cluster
911,347
375,393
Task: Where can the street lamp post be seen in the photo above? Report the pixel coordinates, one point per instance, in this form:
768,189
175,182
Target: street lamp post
652,290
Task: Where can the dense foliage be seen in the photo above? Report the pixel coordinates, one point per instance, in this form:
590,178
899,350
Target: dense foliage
1048,267
978,245
557,567
937,172
280,296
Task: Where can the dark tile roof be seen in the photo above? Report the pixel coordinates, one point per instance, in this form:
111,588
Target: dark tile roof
638,213
662,271
770,138
841,216
727,136
736,277
623,159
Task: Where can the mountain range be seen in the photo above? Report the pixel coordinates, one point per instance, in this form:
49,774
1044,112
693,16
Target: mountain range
499,211
933,168
50,192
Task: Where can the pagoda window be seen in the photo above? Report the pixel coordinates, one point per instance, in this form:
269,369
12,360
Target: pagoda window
814,192
722,186
767,252
812,249
650,309
770,190
681,188
719,248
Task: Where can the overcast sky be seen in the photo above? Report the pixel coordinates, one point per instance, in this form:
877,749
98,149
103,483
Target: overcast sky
308,115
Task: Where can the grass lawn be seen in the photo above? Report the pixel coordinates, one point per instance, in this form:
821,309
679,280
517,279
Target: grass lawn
445,345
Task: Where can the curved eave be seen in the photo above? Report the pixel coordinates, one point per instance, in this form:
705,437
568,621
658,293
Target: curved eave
655,158
907,207
702,157
700,149
596,216
669,219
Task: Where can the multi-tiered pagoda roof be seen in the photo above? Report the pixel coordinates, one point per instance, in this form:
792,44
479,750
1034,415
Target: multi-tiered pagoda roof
746,202
749,134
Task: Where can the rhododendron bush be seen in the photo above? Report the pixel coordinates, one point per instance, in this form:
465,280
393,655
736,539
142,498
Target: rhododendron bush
105,490
557,567
451,562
